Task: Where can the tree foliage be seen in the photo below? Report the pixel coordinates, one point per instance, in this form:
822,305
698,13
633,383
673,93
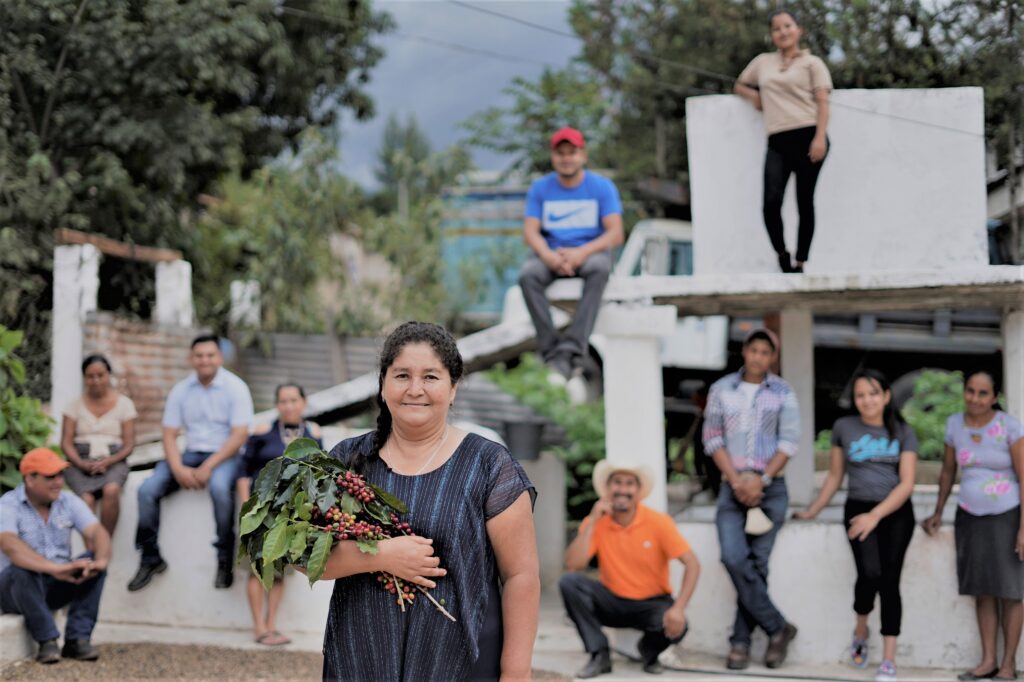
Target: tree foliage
522,129
639,61
276,229
23,424
115,116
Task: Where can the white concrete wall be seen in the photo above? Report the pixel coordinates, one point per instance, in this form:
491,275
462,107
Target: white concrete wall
184,596
811,577
76,283
897,191
174,294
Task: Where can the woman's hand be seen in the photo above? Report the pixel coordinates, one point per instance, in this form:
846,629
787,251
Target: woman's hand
100,466
1020,543
818,149
805,515
861,526
412,559
932,523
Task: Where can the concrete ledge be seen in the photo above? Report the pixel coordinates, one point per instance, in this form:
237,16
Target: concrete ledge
15,641
811,578
984,286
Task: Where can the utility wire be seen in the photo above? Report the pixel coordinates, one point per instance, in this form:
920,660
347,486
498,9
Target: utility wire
724,78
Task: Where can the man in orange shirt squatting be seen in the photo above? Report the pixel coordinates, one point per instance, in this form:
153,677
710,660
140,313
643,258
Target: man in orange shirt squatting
634,545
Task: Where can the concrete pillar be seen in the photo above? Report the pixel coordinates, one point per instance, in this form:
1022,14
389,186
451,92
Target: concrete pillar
547,473
174,293
245,304
1013,361
76,283
797,366
634,406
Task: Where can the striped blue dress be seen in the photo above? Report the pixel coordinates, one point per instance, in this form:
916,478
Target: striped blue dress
368,638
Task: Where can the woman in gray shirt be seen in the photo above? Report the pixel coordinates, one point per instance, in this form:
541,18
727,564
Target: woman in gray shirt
878,451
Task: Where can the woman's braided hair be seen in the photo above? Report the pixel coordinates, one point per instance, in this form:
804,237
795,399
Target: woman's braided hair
447,351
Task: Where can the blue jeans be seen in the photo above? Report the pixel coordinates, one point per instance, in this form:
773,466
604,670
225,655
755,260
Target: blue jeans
746,559
35,596
162,483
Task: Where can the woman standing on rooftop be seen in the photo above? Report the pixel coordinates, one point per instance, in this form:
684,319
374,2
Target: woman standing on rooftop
989,528
791,87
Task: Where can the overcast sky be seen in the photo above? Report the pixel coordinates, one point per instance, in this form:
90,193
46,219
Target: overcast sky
443,86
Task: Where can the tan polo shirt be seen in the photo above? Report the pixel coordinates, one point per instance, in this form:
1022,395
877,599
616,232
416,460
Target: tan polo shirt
787,89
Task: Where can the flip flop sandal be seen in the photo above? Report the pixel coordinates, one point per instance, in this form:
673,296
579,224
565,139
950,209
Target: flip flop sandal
272,638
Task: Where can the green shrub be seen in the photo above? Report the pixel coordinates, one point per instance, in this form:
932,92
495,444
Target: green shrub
23,424
823,443
937,395
583,425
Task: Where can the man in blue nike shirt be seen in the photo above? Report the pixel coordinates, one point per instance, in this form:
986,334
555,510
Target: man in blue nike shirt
573,220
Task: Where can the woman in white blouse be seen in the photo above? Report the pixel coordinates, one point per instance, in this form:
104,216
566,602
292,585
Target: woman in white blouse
98,435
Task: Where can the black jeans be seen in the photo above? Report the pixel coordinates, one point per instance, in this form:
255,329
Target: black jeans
879,560
591,605
787,154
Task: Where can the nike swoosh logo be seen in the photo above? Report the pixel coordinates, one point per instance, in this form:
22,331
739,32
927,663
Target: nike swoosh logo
553,218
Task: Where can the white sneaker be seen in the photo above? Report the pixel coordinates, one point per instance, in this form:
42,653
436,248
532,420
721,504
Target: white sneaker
886,672
576,387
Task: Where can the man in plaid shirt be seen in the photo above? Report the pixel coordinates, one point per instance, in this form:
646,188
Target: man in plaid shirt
751,429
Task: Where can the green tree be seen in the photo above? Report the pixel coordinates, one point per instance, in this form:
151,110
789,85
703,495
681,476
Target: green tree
276,229
559,97
639,61
115,116
23,424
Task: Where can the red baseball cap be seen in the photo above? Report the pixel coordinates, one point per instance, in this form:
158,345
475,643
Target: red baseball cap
570,135
42,461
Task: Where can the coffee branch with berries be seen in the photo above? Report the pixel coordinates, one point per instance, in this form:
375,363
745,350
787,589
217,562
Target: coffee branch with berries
305,502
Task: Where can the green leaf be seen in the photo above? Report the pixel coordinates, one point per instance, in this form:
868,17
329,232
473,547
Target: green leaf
248,505
267,575
298,542
318,556
367,546
311,487
17,371
267,481
389,499
286,496
276,542
301,448
290,471
325,500
252,520
350,505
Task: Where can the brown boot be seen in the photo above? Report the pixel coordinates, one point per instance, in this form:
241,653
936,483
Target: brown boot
738,658
778,646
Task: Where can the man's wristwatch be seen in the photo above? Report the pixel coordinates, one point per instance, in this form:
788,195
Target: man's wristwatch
766,480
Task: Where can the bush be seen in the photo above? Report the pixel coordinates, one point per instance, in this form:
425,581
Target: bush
583,425
937,396
23,424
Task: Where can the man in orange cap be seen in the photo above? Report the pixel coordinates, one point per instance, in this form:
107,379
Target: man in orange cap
573,220
37,573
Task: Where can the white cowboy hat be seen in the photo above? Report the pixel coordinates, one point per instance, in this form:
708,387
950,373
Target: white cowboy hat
604,469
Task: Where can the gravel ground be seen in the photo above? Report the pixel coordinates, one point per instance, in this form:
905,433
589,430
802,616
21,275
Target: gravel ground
177,662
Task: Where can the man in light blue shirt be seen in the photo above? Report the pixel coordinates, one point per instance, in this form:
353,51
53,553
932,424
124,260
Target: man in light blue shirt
214,408
573,220
37,573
